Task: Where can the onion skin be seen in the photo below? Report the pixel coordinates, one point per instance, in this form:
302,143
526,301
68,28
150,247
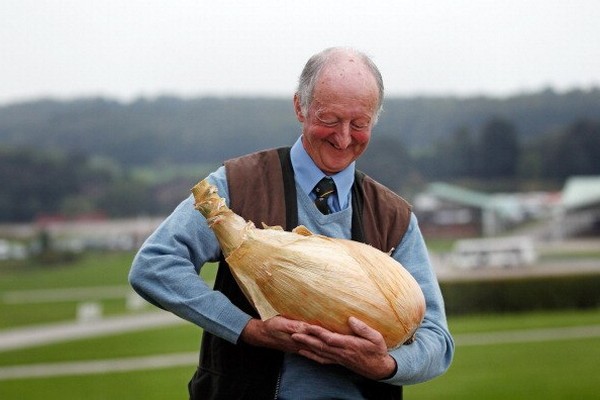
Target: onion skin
314,278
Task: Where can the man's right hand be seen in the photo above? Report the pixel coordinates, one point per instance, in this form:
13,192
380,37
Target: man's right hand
275,333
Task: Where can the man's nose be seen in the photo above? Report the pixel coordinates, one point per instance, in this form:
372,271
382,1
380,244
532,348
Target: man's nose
344,136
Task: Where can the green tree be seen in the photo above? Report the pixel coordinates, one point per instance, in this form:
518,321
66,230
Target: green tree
387,161
575,151
455,156
498,149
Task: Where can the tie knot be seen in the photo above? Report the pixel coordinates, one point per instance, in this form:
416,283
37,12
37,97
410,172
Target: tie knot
324,189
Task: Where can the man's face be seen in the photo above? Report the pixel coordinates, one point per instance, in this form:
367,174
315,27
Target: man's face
337,127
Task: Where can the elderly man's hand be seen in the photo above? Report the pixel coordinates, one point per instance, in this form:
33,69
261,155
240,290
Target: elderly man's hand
365,352
275,333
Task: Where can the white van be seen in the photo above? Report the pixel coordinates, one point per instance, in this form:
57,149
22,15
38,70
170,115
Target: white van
514,251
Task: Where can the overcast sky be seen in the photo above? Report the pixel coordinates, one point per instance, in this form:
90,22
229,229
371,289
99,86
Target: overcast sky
130,48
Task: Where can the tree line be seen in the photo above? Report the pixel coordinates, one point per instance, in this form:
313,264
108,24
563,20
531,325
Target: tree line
172,130
494,156
85,155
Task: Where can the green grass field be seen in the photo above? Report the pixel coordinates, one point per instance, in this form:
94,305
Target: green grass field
556,369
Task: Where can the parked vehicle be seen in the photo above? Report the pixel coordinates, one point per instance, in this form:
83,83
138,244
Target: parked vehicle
514,251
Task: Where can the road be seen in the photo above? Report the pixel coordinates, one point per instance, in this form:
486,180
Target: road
39,335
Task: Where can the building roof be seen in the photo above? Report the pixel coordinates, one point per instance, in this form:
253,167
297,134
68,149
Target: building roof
459,195
581,191
501,204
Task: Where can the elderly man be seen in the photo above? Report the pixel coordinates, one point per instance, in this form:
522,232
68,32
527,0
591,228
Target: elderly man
338,101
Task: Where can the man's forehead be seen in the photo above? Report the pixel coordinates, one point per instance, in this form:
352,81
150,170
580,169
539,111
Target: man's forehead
347,110
328,100
356,81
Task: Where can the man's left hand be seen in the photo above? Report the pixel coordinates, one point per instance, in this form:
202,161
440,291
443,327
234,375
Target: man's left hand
364,352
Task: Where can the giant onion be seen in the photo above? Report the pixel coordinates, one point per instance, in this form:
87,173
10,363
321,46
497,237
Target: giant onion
314,278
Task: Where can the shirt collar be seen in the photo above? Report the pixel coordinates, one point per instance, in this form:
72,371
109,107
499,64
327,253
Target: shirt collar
307,174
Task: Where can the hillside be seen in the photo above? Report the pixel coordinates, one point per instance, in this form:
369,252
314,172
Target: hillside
174,130
101,156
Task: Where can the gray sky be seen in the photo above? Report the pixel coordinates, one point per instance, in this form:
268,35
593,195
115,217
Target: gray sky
129,48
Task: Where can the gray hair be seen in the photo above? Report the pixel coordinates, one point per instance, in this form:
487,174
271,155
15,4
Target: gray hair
314,66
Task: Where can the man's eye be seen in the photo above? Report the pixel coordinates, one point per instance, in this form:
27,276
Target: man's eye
328,121
359,125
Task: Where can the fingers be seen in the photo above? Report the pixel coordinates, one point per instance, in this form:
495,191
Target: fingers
273,333
316,348
365,331
332,339
286,326
315,336
311,340
363,351
316,357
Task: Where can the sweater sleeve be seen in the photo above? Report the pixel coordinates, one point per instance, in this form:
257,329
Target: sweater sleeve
431,353
165,271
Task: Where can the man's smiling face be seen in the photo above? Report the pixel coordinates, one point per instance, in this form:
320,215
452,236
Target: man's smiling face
337,127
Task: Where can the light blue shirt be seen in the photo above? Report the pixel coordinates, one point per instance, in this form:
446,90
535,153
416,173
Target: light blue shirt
307,175
165,272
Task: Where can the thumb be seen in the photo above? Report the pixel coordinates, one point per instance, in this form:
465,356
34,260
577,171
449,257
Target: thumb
363,330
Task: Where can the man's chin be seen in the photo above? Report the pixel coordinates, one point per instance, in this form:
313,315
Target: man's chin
334,167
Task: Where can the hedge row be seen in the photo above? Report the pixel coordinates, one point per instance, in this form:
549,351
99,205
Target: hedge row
527,294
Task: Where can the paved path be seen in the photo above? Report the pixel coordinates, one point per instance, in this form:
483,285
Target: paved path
66,294
61,332
99,366
527,335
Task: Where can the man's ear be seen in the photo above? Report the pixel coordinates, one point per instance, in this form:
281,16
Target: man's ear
298,108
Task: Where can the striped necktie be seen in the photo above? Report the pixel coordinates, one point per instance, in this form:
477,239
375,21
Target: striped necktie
324,189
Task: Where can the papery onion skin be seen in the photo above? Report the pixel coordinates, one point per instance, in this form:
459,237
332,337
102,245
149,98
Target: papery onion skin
314,278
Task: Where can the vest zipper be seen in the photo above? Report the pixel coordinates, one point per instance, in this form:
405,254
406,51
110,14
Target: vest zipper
277,385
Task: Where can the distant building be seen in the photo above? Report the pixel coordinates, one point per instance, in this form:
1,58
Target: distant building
98,233
446,210
579,209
